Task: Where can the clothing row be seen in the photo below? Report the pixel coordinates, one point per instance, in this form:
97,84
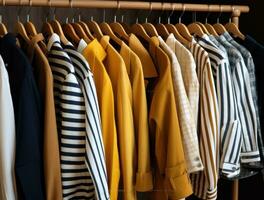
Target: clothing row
105,121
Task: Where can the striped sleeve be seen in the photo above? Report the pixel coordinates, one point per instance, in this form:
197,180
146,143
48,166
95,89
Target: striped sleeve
205,182
76,179
247,116
94,143
70,115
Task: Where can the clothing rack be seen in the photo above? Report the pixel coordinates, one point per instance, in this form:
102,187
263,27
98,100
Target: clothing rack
236,10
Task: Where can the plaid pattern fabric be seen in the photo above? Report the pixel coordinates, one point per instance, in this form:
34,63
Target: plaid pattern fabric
245,103
251,70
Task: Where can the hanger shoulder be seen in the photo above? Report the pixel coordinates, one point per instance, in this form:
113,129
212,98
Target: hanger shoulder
58,29
106,29
162,30
70,33
195,29
86,30
20,29
203,27
219,28
31,29
211,29
47,30
80,32
94,27
150,29
3,29
183,30
138,30
234,30
172,29
119,30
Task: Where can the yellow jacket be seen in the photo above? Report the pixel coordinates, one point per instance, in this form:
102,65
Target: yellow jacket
117,72
95,55
140,113
171,173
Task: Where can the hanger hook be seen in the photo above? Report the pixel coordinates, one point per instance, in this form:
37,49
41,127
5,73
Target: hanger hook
183,11
117,9
233,10
221,9
19,10
150,10
29,10
162,11
208,14
172,5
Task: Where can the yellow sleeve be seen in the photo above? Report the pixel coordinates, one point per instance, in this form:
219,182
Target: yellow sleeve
144,180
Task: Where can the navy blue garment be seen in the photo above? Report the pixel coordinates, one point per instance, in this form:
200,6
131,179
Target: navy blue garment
257,52
28,121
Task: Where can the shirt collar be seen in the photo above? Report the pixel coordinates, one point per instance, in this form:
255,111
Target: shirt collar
149,69
227,36
81,46
54,38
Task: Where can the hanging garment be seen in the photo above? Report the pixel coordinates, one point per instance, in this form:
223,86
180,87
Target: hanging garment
94,142
248,60
28,120
257,51
171,178
148,66
70,115
229,131
44,79
245,103
140,113
205,182
186,86
7,138
95,55
117,72
189,75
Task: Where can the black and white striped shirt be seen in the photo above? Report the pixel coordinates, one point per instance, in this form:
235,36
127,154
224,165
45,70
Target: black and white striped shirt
230,128
94,141
247,113
70,113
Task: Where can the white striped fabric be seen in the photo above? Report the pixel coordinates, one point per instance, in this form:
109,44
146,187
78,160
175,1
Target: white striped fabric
247,113
94,141
70,114
205,182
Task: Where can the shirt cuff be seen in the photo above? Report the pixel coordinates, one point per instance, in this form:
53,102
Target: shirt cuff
177,183
211,194
144,182
230,170
252,156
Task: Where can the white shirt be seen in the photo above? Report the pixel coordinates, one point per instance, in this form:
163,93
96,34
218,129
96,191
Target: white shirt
7,138
184,111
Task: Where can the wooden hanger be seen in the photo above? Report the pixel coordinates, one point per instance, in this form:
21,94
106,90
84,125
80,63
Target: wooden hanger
150,29
20,29
70,33
182,29
203,27
94,27
211,29
47,30
86,30
195,29
162,30
30,28
172,29
119,30
106,29
139,30
58,29
234,30
219,28
3,29
80,32
126,27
